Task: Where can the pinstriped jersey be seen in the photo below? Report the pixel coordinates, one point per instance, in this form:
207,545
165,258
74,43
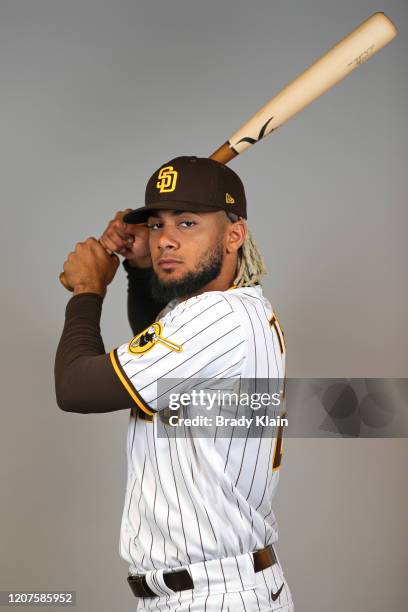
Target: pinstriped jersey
190,499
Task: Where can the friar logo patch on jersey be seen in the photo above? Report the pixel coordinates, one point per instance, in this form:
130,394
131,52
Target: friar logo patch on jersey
167,179
149,337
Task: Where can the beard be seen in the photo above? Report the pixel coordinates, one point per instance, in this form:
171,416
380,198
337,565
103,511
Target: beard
191,282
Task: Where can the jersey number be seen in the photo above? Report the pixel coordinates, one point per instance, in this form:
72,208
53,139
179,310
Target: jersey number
277,453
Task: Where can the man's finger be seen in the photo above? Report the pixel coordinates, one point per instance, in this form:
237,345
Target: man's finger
107,249
118,227
112,245
121,213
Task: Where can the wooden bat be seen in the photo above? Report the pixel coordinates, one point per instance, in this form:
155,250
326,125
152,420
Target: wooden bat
352,51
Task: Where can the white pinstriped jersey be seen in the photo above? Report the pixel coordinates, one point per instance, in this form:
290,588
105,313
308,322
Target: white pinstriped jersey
192,499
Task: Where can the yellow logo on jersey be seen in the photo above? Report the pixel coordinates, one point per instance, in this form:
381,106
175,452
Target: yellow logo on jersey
148,338
167,179
229,199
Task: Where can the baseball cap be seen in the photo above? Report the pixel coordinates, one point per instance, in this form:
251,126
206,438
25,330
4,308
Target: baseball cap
195,184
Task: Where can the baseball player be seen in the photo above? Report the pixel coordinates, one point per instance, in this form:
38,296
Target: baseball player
198,530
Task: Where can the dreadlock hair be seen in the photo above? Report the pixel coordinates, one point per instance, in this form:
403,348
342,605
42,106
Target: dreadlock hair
251,265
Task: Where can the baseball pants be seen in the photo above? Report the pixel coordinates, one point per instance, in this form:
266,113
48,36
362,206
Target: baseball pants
227,585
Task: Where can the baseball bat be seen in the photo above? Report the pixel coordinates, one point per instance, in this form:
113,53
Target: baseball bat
352,51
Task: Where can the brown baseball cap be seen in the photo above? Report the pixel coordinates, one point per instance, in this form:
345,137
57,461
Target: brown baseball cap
196,184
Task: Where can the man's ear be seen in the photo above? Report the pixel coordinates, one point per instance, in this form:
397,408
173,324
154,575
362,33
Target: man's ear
236,234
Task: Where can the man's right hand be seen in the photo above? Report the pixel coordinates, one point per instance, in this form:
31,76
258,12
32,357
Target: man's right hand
127,239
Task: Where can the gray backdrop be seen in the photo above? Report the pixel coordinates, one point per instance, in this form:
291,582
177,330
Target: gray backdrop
95,95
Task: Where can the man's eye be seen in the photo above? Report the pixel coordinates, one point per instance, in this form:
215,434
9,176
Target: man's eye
188,223
153,226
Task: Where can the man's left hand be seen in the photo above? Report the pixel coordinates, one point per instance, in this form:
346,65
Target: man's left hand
89,268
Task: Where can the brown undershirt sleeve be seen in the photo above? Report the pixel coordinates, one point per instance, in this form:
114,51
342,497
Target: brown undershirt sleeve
85,380
142,308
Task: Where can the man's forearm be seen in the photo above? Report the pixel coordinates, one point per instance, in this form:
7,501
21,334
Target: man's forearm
142,308
85,380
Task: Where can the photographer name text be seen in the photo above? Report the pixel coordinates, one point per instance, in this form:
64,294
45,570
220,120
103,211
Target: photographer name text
221,421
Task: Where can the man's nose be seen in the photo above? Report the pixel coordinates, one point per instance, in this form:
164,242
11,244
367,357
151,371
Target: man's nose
168,238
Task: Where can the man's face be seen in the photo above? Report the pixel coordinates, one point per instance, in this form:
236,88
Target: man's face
186,250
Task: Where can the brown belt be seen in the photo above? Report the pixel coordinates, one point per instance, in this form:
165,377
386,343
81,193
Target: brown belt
180,580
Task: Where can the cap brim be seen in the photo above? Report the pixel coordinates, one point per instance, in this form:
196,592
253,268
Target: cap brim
140,215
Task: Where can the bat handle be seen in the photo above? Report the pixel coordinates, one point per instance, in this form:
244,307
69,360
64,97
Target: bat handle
64,282
63,279
224,153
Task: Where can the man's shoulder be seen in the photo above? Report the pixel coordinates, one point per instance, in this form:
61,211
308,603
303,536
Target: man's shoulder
229,295
211,301
217,303
252,297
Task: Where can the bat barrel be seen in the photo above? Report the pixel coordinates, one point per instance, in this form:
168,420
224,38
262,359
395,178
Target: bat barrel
352,51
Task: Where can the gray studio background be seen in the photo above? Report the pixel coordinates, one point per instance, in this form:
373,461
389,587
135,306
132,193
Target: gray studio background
94,96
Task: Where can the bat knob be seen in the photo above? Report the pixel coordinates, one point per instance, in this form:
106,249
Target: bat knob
64,281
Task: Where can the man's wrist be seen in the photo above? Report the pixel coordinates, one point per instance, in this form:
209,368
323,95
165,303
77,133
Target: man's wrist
90,288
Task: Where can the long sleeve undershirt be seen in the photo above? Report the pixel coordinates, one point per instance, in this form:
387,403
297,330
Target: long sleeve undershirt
142,308
85,380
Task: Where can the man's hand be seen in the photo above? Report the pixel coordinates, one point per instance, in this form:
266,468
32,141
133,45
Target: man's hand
129,240
89,268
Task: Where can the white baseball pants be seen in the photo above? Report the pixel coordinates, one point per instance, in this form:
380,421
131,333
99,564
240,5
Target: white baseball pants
226,585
